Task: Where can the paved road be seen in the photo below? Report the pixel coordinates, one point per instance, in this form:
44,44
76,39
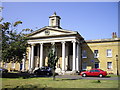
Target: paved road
74,77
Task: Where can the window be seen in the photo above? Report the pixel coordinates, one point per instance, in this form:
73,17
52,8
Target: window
84,54
21,66
96,54
97,71
109,53
96,64
52,22
84,66
92,70
109,65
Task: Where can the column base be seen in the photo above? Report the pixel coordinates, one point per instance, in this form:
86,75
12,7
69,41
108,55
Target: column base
68,73
23,70
30,70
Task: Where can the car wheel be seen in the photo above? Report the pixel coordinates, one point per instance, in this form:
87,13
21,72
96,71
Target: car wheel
48,74
100,75
35,72
84,75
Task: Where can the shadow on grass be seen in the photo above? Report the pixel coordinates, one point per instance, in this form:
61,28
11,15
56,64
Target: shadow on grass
96,81
15,75
70,79
21,75
28,87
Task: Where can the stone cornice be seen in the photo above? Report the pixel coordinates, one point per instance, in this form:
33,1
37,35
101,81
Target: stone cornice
51,28
103,40
51,36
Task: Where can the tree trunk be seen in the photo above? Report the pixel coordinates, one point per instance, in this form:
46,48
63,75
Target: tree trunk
53,74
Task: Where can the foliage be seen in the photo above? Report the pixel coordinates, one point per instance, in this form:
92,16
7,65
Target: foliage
52,60
13,43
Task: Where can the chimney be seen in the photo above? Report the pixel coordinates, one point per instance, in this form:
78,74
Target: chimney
114,35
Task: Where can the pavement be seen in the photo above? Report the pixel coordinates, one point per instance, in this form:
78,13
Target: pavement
72,77
75,77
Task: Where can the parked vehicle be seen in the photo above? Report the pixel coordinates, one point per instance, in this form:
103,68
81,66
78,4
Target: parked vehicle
3,70
43,71
94,72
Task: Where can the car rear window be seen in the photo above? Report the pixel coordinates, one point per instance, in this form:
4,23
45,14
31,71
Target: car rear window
43,68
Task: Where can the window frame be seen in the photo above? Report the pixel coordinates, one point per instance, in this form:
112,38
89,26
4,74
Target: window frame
107,53
84,64
109,66
98,64
96,55
84,52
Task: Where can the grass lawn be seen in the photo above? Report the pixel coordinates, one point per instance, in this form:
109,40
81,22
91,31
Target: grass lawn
40,82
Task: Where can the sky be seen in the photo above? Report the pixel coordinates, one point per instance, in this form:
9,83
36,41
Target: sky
93,20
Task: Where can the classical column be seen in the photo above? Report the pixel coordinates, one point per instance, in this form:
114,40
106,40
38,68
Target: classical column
78,57
41,55
29,66
37,62
32,56
66,58
63,56
74,56
23,62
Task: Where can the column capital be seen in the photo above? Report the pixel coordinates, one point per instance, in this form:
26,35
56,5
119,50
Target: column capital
41,43
53,43
33,44
63,42
78,42
74,41
28,45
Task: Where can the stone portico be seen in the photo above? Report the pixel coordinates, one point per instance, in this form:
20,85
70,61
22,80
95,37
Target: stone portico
67,44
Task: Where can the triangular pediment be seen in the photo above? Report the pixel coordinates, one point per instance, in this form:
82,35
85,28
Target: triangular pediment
48,31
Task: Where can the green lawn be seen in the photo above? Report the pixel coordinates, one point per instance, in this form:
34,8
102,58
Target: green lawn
58,83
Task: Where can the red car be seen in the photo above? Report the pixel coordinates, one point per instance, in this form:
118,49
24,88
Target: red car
94,72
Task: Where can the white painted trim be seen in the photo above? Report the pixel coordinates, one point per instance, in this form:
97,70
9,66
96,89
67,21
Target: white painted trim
105,44
107,52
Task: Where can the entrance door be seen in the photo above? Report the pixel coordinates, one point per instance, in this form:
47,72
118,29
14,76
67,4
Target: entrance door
21,66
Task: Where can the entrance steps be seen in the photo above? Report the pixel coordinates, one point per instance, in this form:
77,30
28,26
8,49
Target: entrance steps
60,72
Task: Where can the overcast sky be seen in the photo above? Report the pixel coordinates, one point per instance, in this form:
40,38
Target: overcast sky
93,20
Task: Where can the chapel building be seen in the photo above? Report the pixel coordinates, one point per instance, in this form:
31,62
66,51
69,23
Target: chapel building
75,54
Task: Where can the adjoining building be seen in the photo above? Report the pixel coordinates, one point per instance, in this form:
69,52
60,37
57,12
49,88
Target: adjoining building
75,54
101,53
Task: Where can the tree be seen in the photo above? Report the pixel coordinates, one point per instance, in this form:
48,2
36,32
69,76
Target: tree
13,43
52,60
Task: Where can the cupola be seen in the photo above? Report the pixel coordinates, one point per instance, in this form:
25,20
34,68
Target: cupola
54,21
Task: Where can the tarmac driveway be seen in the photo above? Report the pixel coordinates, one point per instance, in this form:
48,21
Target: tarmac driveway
74,77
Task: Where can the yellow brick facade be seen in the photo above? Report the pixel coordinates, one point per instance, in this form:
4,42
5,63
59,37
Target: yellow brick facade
101,46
